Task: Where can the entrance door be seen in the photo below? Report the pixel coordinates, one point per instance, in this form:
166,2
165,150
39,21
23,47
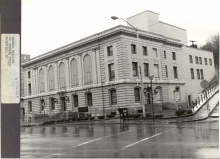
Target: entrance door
189,100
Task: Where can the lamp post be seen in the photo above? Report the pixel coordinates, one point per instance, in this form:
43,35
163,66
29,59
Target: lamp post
151,78
141,73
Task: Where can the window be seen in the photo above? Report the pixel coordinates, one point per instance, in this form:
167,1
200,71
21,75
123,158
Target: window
42,104
206,62
192,73
75,101
111,72
29,74
41,81
210,62
173,55
74,72
155,51
137,95
166,71
87,64
144,50
113,97
156,70
110,51
165,56
51,78
201,72
175,72
200,60
133,49
89,99
146,69
198,74
135,68
197,60
30,106
29,89
52,104
190,59
62,75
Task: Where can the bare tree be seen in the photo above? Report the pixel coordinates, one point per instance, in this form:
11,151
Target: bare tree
212,44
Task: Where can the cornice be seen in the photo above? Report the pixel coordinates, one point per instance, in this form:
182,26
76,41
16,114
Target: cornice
102,35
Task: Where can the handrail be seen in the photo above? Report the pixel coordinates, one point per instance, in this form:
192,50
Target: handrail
205,95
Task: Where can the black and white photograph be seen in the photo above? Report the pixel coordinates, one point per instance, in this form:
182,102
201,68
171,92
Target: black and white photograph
119,79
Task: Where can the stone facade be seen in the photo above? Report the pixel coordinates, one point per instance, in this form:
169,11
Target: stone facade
102,72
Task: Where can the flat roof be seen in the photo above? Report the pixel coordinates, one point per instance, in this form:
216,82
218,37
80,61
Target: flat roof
142,13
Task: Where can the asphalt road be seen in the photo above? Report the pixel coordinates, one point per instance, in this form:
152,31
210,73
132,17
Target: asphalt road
148,140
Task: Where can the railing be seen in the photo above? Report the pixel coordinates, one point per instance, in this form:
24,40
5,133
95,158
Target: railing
205,96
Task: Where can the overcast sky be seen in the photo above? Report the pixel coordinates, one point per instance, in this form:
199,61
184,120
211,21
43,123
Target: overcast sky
49,24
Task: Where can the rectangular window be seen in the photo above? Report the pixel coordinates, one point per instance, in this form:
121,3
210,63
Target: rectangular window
155,51
144,49
30,106
198,74
173,55
190,59
165,55
192,73
175,72
197,60
201,72
52,104
137,95
146,69
210,62
29,89
76,103
206,62
156,71
113,97
29,74
200,60
110,51
89,99
111,72
135,68
166,71
133,49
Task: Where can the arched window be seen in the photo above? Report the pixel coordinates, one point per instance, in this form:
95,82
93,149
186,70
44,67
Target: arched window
51,78
74,72
87,65
62,76
41,80
89,99
137,94
113,97
75,101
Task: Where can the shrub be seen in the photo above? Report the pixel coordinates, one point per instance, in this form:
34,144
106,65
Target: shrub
110,116
148,115
101,117
91,118
136,115
180,111
189,111
159,115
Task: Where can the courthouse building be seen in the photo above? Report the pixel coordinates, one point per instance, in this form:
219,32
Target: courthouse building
102,71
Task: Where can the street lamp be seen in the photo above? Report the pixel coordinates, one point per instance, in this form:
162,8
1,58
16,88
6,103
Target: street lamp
141,74
151,78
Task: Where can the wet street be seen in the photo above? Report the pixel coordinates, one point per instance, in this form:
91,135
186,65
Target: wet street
144,140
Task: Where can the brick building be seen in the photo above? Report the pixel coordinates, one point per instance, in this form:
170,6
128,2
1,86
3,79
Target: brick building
101,71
